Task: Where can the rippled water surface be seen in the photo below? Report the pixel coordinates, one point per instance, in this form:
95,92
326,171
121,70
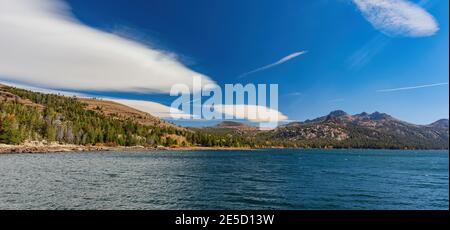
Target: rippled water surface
259,179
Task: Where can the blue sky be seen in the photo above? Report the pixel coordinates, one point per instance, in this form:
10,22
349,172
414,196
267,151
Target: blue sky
348,63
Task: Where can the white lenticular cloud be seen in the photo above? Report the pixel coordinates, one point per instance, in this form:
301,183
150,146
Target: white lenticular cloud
252,113
398,17
255,113
42,45
153,108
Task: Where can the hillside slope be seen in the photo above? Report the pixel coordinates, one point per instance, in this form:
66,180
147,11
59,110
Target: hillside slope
123,112
31,116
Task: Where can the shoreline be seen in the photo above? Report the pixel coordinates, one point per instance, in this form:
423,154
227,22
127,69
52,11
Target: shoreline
69,148
65,148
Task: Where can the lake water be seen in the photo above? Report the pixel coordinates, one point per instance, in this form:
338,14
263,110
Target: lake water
259,179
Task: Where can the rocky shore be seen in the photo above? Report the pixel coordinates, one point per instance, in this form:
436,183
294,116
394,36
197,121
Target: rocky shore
55,148
51,148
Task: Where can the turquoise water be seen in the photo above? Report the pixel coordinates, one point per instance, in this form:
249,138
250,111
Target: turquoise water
260,179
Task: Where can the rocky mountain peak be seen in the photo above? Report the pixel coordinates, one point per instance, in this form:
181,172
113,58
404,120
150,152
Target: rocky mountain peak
363,114
379,116
338,113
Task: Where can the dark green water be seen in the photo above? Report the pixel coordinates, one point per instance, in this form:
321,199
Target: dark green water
261,179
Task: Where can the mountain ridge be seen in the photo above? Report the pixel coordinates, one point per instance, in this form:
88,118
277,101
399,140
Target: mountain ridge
364,130
340,114
339,129
29,116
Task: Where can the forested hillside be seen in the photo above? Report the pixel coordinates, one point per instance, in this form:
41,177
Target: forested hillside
29,116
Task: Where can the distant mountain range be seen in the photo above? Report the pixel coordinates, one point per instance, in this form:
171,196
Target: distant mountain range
342,130
30,116
376,130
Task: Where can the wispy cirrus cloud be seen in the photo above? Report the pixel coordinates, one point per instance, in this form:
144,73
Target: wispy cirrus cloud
279,62
412,87
293,94
43,45
366,53
398,17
